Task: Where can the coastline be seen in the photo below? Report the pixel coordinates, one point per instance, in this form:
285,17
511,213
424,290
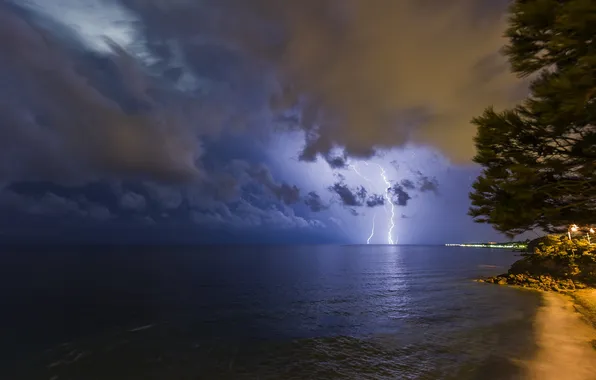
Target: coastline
563,272
565,337
585,304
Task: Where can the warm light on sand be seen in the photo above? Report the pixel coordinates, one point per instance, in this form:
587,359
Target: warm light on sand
563,339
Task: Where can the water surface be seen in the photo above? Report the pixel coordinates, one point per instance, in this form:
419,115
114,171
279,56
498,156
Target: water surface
255,312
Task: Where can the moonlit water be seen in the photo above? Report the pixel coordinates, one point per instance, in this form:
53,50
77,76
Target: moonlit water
252,312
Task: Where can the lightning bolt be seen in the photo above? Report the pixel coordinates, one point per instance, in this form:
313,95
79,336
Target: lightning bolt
388,199
372,231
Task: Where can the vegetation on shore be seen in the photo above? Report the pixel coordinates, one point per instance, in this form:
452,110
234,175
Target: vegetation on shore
539,157
556,264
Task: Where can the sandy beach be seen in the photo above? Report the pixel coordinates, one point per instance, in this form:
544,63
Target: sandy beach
565,338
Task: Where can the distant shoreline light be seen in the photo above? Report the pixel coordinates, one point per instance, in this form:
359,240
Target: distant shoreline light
490,245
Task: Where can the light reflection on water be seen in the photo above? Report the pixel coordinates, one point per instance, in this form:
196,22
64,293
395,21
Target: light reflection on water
351,312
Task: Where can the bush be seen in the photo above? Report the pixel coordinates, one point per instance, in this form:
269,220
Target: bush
557,263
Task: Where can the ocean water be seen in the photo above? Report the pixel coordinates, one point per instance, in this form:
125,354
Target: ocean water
261,312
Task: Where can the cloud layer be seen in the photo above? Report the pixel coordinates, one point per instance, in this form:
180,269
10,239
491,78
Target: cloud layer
356,74
363,75
173,96
63,119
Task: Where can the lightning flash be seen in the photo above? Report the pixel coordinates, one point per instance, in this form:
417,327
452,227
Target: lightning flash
388,200
389,206
372,232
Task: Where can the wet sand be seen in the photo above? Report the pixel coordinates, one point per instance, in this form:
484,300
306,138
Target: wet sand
564,339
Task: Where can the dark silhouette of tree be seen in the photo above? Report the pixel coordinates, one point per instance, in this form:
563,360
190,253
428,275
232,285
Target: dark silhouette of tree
539,158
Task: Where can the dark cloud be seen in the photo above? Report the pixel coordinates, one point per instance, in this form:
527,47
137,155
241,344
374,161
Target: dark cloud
428,184
425,183
136,108
336,162
166,197
132,201
59,123
399,196
243,214
408,184
99,212
288,194
375,200
349,197
47,204
53,206
355,197
314,202
342,63
155,91
223,187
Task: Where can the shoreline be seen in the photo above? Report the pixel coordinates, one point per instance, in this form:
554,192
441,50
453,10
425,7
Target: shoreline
585,304
565,331
586,300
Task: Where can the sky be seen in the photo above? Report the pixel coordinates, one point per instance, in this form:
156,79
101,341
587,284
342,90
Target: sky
234,121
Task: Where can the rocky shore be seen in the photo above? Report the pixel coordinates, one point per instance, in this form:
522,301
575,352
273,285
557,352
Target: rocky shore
542,282
556,264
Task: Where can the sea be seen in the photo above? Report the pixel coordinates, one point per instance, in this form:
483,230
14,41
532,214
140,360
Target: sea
261,312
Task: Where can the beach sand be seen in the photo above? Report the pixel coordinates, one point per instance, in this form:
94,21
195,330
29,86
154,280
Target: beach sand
564,338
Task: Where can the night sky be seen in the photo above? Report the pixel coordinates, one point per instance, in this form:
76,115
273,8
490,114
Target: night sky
237,121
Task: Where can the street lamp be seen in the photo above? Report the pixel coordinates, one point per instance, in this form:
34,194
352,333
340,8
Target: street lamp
573,228
590,231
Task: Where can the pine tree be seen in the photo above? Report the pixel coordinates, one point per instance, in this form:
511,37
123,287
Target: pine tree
539,158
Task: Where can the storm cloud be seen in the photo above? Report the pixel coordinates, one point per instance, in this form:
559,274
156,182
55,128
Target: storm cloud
365,75
183,102
53,206
408,184
355,197
355,74
314,202
375,200
288,194
347,196
59,123
428,184
399,196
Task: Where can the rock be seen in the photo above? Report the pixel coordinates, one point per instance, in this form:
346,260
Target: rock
521,278
502,281
480,280
546,280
